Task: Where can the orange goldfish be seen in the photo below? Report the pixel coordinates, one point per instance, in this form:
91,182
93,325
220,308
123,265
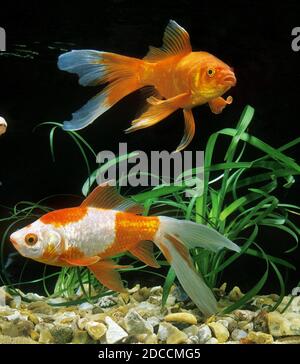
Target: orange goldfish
179,79
107,224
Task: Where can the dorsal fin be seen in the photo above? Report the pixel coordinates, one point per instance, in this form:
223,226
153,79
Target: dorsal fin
107,197
176,41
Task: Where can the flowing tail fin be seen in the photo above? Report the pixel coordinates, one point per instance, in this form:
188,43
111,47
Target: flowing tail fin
95,68
175,238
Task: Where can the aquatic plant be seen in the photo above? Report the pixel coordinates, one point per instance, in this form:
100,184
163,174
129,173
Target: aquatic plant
239,200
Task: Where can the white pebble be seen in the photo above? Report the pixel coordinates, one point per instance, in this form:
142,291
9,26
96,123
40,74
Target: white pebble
237,334
114,332
213,340
225,323
204,334
86,306
3,125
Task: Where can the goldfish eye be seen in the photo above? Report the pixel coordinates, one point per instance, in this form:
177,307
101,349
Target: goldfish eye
31,239
211,72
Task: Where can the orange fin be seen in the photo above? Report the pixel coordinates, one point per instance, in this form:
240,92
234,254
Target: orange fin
217,105
158,110
144,94
189,129
144,252
107,197
95,68
105,272
176,41
83,261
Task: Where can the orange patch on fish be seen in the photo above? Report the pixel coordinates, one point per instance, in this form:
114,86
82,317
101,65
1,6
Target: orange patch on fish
131,229
64,216
72,253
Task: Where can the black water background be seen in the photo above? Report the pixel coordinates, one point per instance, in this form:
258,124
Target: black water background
254,37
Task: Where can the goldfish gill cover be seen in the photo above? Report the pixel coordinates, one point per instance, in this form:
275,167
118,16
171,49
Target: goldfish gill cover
149,173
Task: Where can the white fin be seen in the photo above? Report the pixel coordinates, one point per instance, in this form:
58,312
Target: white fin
174,239
192,282
87,64
197,235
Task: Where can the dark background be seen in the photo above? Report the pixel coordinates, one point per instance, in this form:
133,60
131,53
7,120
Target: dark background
252,36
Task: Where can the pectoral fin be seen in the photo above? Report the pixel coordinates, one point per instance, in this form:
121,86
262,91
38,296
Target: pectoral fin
105,272
157,111
144,252
189,129
217,105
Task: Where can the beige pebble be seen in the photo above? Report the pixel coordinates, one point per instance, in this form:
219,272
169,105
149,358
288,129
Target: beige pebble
288,340
170,334
82,322
33,318
235,294
151,339
45,334
16,340
181,317
81,337
34,335
220,332
286,324
95,329
260,338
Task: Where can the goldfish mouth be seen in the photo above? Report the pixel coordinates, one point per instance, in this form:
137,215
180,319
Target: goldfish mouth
229,80
13,241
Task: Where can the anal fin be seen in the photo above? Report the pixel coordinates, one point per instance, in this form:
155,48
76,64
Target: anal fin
144,252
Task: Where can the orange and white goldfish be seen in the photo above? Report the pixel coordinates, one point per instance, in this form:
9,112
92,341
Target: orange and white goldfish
107,224
180,79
